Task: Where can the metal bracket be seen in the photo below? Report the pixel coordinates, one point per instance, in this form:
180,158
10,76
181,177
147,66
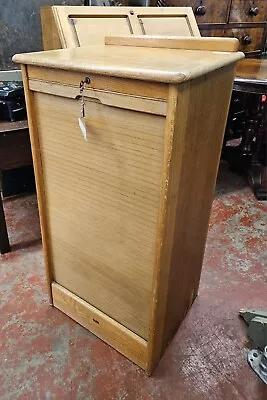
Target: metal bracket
258,362
257,331
257,326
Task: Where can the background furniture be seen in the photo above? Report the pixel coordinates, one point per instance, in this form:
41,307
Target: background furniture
20,28
247,122
65,27
243,19
15,153
124,219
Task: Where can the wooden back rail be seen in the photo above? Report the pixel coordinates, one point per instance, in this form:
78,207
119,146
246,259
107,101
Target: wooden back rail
174,42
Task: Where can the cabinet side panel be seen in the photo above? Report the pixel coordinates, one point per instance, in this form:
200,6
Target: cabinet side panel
205,103
200,111
50,36
38,172
165,234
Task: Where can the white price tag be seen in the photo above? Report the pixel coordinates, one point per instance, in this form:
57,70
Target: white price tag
83,127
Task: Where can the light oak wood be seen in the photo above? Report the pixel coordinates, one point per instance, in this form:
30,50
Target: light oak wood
184,221
135,87
174,42
164,237
128,102
38,172
125,213
82,26
110,331
119,171
50,34
148,64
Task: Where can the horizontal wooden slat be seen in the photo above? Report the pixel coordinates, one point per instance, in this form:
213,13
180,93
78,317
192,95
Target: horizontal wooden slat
174,42
119,100
112,84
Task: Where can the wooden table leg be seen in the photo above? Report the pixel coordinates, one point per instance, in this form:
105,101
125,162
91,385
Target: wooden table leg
4,242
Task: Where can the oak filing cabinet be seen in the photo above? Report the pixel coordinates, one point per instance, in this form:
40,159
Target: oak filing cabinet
124,219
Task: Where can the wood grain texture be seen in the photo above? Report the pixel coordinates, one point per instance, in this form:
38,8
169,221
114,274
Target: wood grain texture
38,172
215,11
186,202
110,84
82,26
164,236
256,34
174,42
109,212
15,145
50,35
240,11
8,126
152,64
15,152
170,25
128,102
252,69
213,33
125,212
92,31
110,331
193,210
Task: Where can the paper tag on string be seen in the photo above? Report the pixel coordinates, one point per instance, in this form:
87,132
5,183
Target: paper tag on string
83,127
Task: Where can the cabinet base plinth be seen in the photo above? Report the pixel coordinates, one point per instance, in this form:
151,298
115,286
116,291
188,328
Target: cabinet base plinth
116,335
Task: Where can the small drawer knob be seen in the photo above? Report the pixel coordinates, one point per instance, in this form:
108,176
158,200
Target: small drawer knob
246,39
200,10
253,11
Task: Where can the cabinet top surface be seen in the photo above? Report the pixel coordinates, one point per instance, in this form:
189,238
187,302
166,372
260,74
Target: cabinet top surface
152,64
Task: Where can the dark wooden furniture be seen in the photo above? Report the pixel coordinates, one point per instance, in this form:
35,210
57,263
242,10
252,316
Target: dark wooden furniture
243,19
245,137
15,153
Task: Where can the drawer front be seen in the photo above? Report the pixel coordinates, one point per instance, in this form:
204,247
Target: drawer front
103,197
248,11
251,39
212,11
212,32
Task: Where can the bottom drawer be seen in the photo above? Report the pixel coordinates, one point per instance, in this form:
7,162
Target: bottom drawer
251,39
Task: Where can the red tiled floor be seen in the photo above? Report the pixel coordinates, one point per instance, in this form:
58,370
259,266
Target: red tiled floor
45,355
